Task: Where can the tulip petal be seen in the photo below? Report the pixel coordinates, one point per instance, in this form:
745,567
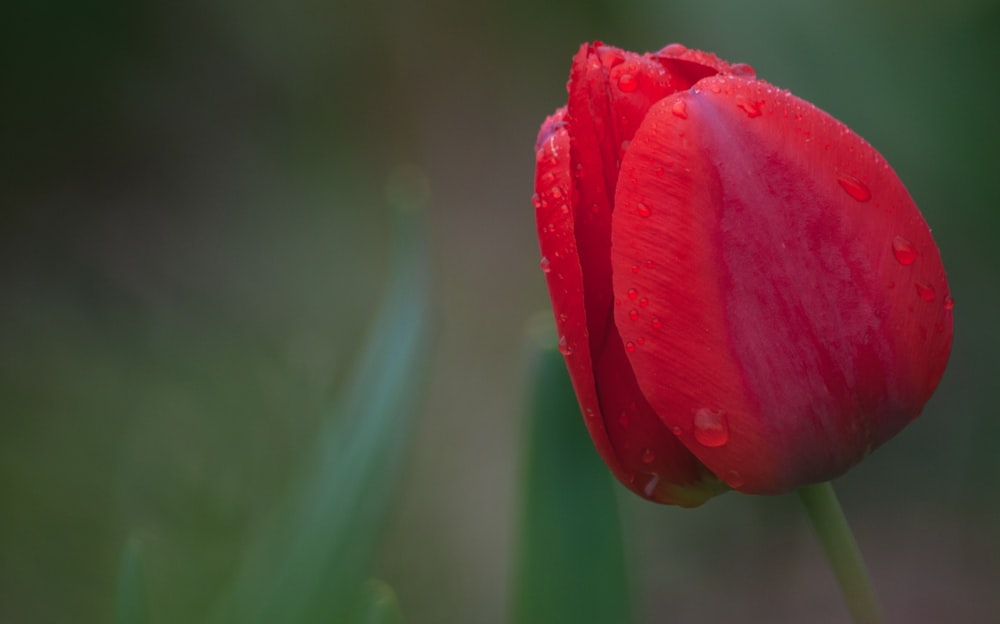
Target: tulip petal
610,92
791,307
617,415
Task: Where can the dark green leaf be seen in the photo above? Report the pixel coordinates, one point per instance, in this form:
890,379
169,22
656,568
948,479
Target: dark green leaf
571,564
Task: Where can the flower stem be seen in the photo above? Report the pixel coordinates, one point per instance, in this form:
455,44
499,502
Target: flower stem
835,535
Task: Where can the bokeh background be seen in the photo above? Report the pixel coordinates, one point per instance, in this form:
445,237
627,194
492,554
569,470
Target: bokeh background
194,236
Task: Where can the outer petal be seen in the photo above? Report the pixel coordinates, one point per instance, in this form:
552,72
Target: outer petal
793,310
554,197
610,92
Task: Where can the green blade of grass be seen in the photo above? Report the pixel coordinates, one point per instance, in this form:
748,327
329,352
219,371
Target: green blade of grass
130,595
311,563
571,565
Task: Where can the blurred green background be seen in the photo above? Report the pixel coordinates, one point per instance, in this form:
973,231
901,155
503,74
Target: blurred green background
195,236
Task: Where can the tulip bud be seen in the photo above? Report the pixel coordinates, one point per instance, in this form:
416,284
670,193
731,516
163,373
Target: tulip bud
746,295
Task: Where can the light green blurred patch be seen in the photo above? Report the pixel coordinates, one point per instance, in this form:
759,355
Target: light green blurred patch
310,562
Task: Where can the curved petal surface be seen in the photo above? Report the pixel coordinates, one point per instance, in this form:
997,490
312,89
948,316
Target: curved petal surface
793,309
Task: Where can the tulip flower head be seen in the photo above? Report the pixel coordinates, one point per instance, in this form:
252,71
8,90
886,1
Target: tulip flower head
745,293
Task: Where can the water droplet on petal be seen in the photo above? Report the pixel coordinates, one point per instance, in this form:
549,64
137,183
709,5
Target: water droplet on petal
742,69
650,487
536,201
633,314
630,347
545,264
564,347
648,456
635,268
679,109
733,479
949,303
676,430
627,83
674,49
904,251
632,293
710,427
926,291
656,323
643,210
750,107
556,192
643,302
854,187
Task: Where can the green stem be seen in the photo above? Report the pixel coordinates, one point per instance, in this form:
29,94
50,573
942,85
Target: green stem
835,535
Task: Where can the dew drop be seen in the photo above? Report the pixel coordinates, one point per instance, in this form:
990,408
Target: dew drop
676,430
627,83
643,302
536,201
650,488
545,264
733,479
548,178
742,69
648,456
854,187
630,347
556,192
949,303
564,347
633,314
674,49
643,210
635,268
904,251
750,107
679,109
710,427
656,323
632,293
926,291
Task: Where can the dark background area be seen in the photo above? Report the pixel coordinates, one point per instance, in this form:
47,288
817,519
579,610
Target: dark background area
194,235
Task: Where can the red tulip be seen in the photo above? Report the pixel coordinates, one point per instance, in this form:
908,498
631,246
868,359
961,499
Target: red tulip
745,293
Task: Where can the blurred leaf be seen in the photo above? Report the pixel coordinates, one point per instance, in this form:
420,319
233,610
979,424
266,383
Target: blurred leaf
379,605
310,564
130,596
571,564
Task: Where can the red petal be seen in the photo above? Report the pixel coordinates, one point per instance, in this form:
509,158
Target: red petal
610,92
657,476
554,195
782,333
